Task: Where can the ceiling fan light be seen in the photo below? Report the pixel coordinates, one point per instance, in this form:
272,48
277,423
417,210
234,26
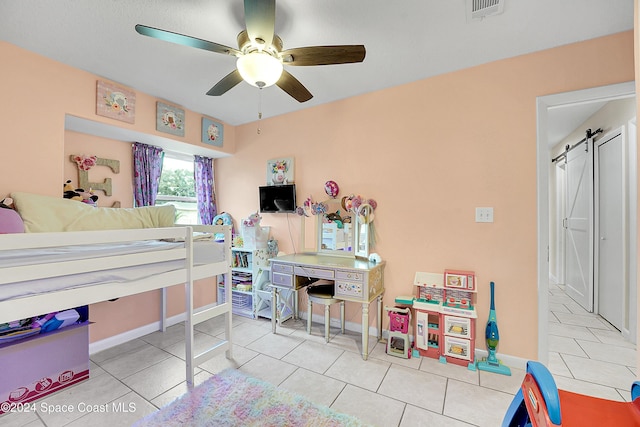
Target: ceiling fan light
259,69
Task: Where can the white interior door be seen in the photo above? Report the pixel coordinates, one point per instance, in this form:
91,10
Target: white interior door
578,225
610,226
561,205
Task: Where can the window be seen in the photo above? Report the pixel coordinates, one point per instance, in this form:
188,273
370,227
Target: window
177,187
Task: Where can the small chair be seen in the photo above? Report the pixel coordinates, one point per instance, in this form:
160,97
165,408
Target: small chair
321,292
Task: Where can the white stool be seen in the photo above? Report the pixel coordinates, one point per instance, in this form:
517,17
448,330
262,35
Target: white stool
322,293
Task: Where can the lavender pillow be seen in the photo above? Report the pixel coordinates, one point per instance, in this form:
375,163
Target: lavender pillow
10,222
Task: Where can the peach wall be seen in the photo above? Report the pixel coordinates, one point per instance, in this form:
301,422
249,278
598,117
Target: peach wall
430,152
42,91
76,143
36,147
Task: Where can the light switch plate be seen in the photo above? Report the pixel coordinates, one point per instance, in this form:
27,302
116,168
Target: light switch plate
484,214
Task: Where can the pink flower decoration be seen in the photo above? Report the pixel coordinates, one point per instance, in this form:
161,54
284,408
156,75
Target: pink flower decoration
85,162
356,202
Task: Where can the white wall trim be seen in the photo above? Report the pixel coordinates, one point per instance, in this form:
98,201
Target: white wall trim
98,346
132,334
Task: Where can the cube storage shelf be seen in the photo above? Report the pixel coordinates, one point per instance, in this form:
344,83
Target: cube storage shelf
246,271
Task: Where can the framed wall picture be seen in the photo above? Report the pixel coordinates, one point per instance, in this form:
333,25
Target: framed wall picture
280,171
212,132
169,119
116,102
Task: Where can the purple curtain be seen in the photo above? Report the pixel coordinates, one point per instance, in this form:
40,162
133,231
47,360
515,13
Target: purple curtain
203,175
147,168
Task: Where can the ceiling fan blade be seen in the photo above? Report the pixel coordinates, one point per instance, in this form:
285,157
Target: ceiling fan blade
260,19
324,55
176,38
227,82
293,87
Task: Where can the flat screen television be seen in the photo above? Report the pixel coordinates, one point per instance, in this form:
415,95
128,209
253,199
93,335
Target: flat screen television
278,198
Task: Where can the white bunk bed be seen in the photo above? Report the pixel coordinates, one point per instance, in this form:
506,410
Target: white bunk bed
180,263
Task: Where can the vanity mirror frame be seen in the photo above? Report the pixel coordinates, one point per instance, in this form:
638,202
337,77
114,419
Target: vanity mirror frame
333,252
359,243
361,238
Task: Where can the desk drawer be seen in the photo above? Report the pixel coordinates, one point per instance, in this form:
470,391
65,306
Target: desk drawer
317,273
349,289
351,276
282,279
282,268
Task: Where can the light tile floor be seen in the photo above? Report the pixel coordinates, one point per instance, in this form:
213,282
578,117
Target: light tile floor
587,355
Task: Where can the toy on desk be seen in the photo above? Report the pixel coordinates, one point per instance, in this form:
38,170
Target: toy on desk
398,342
492,364
539,403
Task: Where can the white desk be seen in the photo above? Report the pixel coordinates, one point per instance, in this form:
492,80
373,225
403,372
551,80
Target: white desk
355,280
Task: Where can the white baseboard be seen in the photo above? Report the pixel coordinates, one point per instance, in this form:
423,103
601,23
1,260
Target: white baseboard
335,323
95,347
506,359
122,338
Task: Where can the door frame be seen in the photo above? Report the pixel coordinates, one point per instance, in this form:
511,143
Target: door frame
559,275
543,160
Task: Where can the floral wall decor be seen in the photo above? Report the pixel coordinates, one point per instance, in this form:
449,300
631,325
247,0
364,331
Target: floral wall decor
169,119
212,132
280,171
85,163
116,102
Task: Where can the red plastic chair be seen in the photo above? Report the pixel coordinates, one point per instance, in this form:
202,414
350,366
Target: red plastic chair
539,403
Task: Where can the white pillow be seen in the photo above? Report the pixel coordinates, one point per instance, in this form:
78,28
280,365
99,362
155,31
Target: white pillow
55,214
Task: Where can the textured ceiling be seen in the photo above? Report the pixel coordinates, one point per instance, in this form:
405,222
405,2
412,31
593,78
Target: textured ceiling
405,40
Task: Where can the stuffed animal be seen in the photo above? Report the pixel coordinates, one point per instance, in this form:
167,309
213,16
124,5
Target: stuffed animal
222,218
68,192
6,203
79,194
252,221
335,217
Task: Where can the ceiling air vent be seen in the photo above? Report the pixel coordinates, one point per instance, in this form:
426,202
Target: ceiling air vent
478,9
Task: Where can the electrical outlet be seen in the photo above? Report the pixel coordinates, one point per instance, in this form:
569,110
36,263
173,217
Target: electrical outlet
484,214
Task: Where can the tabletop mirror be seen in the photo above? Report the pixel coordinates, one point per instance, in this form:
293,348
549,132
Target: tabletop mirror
335,230
342,232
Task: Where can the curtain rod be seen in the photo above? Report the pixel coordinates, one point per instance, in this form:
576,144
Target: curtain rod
568,147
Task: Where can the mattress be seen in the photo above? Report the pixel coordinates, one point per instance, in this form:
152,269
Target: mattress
204,252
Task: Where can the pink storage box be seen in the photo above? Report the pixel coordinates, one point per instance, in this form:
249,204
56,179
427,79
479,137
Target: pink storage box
399,322
43,364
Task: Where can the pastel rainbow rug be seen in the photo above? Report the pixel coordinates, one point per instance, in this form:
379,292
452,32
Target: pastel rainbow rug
231,398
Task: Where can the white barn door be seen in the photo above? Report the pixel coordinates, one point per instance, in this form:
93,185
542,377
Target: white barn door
578,225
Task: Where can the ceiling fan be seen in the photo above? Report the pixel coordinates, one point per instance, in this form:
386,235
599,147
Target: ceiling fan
260,52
